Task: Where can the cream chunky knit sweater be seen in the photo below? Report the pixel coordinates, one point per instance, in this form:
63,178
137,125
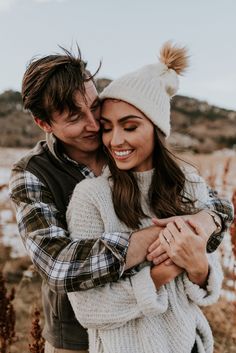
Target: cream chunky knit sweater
131,316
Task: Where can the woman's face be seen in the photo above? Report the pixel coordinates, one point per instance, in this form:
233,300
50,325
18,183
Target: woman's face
128,135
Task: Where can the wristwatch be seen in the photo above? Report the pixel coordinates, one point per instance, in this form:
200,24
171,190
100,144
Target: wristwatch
216,220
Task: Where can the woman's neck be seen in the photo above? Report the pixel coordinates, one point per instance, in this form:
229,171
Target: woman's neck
144,179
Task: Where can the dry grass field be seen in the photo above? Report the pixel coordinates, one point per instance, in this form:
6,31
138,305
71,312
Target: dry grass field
219,169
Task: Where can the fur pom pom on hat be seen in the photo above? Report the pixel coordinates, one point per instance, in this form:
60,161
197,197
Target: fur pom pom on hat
150,88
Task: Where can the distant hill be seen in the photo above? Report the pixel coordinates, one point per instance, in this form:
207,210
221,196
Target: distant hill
196,125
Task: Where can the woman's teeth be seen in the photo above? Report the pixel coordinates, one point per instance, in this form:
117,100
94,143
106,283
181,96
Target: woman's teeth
122,153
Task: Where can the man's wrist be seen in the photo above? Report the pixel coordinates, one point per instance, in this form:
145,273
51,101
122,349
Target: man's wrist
199,275
139,243
199,278
216,221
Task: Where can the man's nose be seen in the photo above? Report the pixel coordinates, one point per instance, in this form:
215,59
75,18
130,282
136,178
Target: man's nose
92,122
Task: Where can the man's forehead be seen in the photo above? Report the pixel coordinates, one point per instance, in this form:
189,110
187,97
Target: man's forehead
90,94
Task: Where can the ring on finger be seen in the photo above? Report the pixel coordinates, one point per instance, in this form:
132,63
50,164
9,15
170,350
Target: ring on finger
179,228
166,239
168,235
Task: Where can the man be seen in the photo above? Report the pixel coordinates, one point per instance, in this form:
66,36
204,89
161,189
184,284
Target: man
61,95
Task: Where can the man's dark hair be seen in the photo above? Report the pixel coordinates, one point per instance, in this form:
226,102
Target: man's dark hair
50,82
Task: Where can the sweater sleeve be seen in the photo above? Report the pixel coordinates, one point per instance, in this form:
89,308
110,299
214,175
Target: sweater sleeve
210,294
205,198
83,216
113,305
196,189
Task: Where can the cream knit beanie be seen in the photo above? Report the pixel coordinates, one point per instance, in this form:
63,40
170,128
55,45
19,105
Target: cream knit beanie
150,88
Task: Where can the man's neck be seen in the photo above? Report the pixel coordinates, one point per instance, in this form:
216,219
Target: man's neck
93,160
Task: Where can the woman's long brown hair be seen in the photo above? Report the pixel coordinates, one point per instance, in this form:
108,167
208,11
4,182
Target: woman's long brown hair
166,196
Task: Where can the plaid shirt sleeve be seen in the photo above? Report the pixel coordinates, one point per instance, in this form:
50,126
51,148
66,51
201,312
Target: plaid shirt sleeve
66,264
224,209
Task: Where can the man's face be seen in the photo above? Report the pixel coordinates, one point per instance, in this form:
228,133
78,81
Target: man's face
79,133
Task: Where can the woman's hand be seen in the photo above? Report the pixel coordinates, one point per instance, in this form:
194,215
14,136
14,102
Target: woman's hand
157,254
185,244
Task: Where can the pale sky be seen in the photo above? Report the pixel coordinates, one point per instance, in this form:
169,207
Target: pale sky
125,34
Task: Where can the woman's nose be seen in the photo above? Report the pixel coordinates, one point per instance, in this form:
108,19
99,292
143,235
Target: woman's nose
117,138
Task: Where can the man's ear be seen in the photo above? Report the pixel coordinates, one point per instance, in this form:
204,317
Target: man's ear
43,125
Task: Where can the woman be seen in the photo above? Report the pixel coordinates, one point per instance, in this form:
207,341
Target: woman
143,181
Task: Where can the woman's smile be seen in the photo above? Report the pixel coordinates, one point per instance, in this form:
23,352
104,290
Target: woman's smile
125,132
122,154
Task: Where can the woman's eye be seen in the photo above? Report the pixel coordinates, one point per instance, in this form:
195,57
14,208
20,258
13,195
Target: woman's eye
105,129
130,128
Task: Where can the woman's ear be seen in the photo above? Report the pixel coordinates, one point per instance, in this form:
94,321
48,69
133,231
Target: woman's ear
43,125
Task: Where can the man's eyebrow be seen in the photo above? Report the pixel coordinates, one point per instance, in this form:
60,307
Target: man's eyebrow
74,112
122,120
79,108
96,101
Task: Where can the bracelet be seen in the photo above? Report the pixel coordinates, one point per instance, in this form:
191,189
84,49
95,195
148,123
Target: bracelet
216,220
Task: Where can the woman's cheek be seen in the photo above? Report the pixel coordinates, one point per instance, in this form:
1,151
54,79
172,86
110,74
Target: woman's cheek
105,139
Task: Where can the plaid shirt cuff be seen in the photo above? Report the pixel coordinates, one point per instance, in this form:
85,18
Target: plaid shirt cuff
224,209
118,244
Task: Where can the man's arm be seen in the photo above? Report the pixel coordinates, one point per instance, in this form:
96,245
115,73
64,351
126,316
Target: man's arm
140,241
162,274
66,265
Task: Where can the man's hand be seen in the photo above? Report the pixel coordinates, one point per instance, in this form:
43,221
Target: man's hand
201,218
156,253
162,274
139,244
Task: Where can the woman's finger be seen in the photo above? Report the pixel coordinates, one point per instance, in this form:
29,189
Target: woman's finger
173,230
168,235
163,241
182,227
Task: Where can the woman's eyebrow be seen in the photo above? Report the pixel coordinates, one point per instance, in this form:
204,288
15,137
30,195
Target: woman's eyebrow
123,119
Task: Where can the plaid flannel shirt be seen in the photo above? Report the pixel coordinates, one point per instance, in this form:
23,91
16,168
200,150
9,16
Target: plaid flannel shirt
65,264
69,265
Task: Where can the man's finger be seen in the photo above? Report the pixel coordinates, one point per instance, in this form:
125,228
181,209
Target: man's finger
154,245
158,260
162,222
182,226
169,262
197,228
155,253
